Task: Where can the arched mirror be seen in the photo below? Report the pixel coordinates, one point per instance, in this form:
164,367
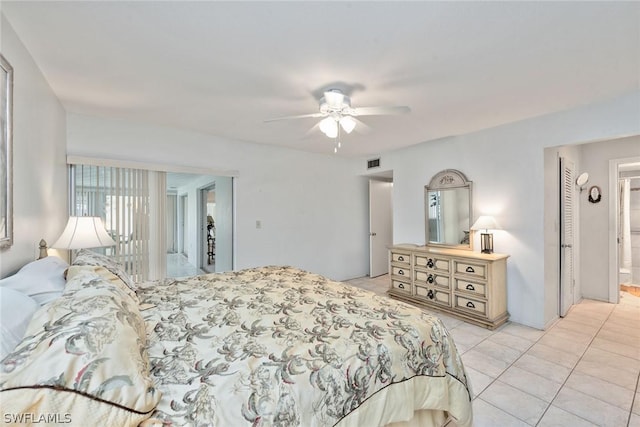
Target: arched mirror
448,210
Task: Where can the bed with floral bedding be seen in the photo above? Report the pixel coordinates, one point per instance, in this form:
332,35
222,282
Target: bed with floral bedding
269,346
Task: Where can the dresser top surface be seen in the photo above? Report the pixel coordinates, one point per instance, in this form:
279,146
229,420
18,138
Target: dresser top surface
450,252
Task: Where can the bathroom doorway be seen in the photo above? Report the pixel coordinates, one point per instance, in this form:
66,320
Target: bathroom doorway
628,229
623,214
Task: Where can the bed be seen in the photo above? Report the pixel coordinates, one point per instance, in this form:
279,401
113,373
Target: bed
269,346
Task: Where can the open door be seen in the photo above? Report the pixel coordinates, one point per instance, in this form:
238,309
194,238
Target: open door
380,226
567,227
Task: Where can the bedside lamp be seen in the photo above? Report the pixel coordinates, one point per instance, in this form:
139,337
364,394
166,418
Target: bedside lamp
83,232
486,223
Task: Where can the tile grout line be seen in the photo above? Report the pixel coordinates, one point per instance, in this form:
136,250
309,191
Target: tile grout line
524,353
633,401
564,383
505,370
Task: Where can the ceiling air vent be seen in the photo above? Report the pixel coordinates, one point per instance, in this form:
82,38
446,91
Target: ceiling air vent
373,163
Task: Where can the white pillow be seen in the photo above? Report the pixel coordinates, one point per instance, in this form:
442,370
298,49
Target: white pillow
43,280
16,310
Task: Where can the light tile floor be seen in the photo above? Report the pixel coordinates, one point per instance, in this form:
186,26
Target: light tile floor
178,266
583,371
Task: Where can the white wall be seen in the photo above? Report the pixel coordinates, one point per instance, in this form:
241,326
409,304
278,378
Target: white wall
507,167
313,208
595,222
39,162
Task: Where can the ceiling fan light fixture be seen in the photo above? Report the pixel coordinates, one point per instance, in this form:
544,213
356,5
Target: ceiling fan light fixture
329,127
334,98
347,123
336,115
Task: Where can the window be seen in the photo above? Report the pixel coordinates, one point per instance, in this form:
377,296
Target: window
130,209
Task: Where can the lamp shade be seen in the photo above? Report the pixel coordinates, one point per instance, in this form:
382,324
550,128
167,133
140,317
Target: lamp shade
83,232
348,123
485,222
329,127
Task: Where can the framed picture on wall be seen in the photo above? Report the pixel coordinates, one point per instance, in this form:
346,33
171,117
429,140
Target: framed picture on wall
6,153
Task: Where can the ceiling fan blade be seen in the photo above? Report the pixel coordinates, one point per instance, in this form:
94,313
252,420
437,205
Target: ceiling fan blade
299,116
313,130
379,111
362,127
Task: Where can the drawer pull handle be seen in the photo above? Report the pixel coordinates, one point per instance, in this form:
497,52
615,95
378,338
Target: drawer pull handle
430,279
470,304
470,287
400,286
431,294
430,263
400,258
401,272
470,270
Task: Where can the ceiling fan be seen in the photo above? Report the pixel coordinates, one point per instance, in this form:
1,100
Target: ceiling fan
338,114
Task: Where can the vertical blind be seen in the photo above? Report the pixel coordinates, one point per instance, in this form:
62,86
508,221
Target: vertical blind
121,197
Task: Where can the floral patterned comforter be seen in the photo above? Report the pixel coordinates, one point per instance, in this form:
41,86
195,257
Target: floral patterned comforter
277,346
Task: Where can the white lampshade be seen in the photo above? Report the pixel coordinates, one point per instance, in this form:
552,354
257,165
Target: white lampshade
84,232
348,123
329,127
485,222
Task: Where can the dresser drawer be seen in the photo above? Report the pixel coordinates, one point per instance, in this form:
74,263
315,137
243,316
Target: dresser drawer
470,269
400,258
476,288
401,286
428,278
434,295
432,263
401,271
474,305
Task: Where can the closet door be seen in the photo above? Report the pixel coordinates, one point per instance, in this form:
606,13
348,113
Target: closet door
567,227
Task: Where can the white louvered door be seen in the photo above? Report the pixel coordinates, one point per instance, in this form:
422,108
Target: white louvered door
567,226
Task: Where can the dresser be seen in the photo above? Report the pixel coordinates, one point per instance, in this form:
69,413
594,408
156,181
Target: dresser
469,285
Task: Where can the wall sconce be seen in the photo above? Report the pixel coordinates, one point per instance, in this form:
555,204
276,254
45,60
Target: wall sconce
486,223
582,179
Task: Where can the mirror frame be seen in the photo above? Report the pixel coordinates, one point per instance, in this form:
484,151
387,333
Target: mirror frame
443,180
6,153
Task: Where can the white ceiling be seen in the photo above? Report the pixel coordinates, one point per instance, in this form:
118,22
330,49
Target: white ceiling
224,67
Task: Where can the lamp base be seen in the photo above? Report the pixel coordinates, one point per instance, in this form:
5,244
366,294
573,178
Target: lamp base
486,243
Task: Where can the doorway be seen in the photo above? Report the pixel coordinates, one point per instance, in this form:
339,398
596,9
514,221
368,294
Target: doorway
567,293
208,228
380,225
625,209
204,224
214,221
